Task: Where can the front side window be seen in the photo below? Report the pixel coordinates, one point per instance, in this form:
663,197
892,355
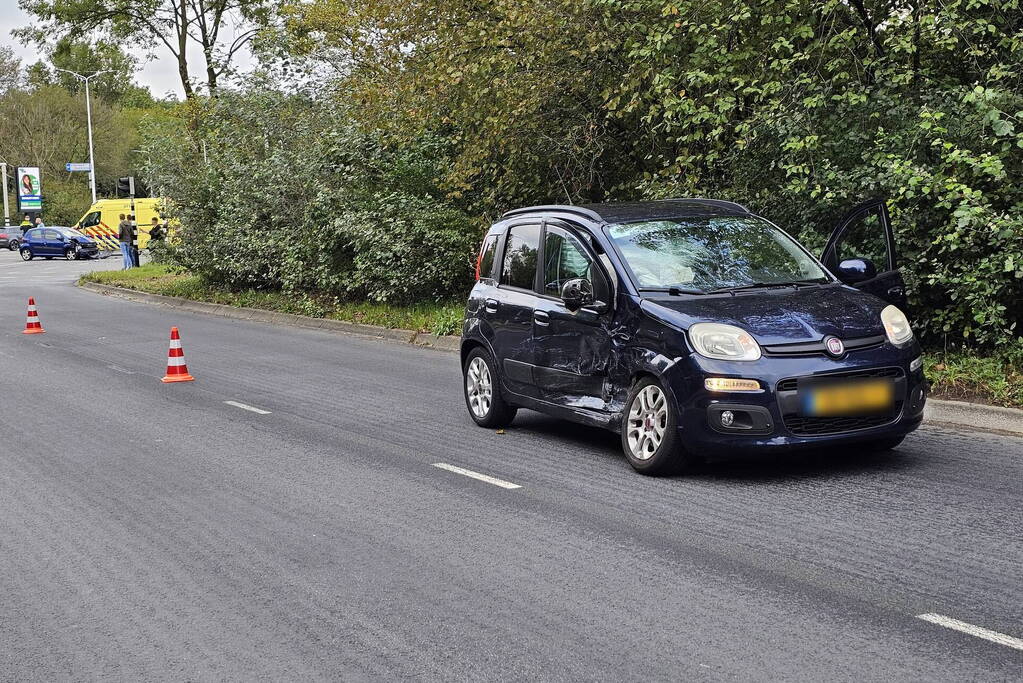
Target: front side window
91,220
52,235
520,252
864,237
714,252
565,259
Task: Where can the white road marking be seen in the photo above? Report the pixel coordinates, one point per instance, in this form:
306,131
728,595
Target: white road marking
247,407
476,475
986,634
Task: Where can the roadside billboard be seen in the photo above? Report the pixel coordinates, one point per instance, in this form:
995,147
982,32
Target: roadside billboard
30,189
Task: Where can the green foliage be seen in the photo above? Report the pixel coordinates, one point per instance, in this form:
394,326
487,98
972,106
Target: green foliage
278,191
794,107
88,57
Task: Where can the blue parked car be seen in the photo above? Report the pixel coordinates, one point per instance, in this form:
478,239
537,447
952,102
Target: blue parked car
694,328
53,241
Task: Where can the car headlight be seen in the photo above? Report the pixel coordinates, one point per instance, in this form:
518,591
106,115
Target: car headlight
723,342
896,326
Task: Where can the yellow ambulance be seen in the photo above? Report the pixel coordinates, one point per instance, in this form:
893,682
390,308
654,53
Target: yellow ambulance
101,220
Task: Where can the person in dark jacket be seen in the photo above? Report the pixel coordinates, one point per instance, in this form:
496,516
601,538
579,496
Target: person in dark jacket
26,225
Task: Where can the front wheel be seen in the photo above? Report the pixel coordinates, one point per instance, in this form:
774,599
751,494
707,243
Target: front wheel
650,430
71,254
26,254
482,394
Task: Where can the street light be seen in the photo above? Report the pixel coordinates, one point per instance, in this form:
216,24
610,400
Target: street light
88,116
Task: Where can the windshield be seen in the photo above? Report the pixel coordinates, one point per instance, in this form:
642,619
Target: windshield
71,232
710,253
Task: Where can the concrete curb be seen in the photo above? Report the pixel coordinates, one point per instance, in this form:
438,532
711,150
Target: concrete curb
954,414
976,416
447,343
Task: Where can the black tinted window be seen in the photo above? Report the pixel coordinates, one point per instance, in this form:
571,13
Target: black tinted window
519,268
487,257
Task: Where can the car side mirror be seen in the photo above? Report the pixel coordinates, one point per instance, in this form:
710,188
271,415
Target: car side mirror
856,270
577,293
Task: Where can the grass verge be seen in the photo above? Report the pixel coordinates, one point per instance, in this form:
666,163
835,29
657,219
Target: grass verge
962,376
439,318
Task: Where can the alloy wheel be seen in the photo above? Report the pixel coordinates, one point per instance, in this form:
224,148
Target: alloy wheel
648,419
479,387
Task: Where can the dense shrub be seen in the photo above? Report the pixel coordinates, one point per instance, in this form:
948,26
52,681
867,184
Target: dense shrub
278,191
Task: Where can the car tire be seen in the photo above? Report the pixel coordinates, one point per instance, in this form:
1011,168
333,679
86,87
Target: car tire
13,245
650,430
71,253
27,255
482,390
886,444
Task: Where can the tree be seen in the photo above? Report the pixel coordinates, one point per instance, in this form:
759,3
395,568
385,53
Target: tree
46,127
174,24
91,57
10,70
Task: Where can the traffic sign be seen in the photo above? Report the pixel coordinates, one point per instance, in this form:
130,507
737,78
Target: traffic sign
72,166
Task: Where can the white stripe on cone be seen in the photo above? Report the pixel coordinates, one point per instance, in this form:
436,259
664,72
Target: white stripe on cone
175,343
175,362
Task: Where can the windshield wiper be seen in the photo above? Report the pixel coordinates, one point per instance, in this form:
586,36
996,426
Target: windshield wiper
769,285
672,291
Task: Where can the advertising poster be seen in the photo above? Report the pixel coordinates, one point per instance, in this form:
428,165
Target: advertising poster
30,189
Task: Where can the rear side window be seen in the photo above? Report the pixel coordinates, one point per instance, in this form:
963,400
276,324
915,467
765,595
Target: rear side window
519,267
485,265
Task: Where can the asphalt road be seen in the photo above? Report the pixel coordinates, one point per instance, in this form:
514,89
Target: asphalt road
156,531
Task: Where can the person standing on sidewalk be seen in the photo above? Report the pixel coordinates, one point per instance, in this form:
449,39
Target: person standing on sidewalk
124,237
26,225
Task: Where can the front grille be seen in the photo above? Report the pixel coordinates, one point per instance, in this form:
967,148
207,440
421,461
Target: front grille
790,383
817,426
801,425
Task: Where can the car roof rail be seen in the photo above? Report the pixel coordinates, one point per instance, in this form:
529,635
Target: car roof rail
566,208
722,203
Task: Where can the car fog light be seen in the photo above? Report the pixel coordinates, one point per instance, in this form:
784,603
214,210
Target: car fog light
916,363
727,418
730,384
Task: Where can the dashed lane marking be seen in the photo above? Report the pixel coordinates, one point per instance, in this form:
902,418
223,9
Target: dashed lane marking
243,406
476,475
970,629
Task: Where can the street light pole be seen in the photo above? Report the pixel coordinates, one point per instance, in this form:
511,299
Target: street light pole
88,118
7,210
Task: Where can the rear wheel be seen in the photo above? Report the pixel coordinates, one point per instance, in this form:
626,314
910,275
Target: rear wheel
13,245
26,254
482,394
650,430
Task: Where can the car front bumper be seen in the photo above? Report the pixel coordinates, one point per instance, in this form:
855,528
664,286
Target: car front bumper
770,420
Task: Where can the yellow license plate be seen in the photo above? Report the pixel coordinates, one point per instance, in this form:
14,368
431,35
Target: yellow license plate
851,397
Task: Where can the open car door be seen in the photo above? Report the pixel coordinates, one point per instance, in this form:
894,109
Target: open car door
861,252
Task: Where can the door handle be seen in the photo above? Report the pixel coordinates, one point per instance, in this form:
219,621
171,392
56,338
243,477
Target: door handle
541,318
491,305
896,291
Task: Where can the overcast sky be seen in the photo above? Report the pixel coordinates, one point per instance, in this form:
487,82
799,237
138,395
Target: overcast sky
160,75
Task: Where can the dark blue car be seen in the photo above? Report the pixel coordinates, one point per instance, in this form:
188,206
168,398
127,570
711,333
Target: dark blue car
694,328
55,241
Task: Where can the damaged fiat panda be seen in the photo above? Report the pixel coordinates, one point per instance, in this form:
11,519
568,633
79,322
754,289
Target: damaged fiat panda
694,328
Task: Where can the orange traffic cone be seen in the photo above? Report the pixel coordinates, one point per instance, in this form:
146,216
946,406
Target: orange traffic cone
32,325
177,371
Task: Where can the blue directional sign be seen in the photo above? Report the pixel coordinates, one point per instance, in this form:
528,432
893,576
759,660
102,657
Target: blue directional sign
72,166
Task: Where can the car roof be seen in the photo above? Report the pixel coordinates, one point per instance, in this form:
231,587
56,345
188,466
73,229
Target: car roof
628,212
